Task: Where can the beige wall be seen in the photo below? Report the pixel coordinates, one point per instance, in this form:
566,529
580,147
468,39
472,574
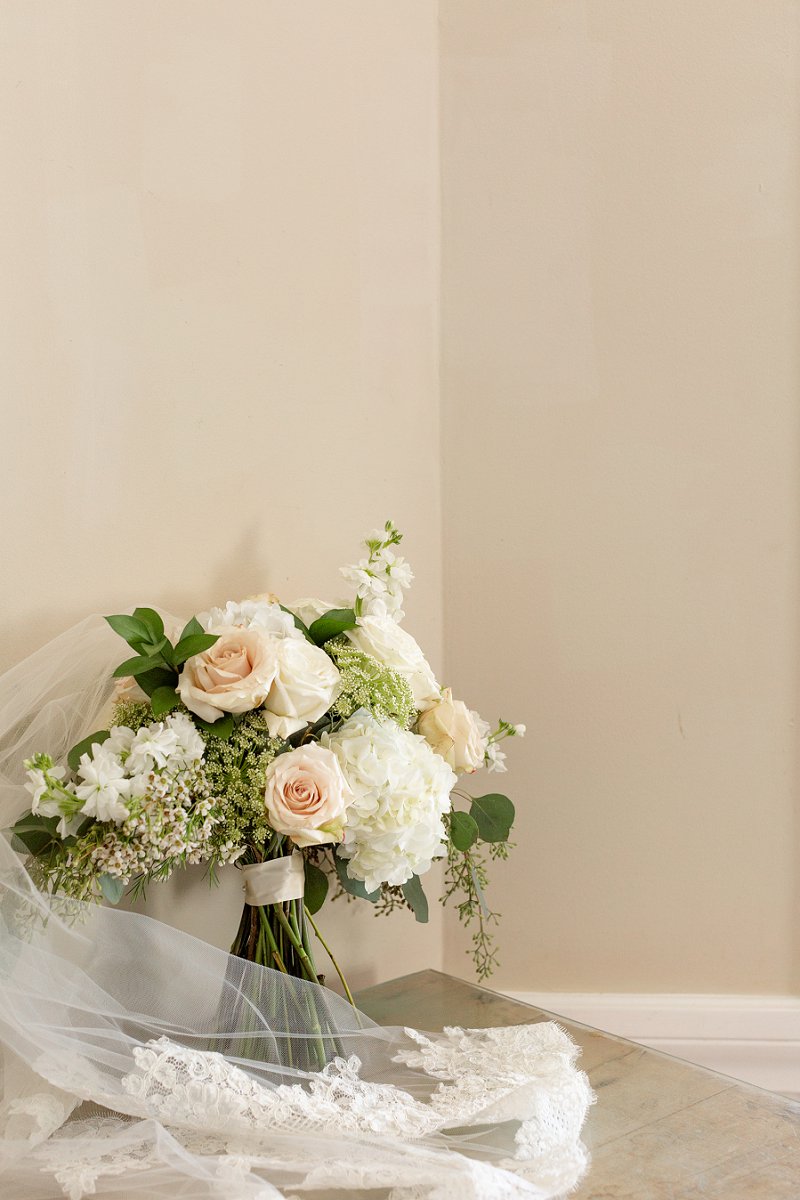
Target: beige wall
219,364
220,245
620,381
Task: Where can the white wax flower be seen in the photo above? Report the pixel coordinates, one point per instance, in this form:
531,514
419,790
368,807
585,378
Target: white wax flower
401,791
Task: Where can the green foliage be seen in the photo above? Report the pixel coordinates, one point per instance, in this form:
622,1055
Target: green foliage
463,830
493,815
316,887
417,900
221,729
368,684
163,700
194,643
112,888
466,878
156,661
331,624
38,834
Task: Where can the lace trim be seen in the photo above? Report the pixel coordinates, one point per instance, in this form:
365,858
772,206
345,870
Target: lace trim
230,1120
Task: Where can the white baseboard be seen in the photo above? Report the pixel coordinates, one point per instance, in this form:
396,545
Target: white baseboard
755,1038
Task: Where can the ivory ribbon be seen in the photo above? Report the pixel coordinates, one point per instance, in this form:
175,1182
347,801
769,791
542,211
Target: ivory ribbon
274,881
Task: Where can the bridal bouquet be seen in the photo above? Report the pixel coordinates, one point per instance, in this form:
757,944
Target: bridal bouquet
308,744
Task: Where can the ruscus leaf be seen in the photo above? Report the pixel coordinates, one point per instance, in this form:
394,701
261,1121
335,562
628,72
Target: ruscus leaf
194,643
331,623
138,666
129,628
163,700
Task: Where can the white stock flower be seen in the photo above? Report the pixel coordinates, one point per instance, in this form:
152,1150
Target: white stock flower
495,758
119,741
103,786
151,748
384,639
189,747
38,786
306,684
306,795
459,735
233,676
259,612
401,790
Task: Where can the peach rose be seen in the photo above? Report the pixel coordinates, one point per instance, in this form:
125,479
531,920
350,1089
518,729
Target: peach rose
454,732
307,795
233,676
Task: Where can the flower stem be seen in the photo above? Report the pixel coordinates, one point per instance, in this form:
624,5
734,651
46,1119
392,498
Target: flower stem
327,950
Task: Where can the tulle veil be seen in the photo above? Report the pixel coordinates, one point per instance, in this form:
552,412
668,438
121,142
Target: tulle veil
138,1061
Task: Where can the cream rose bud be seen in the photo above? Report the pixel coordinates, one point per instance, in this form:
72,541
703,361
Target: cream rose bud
233,676
307,795
454,732
382,638
305,686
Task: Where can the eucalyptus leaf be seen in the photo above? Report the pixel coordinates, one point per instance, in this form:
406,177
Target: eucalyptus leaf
463,830
112,888
354,887
415,896
316,887
163,700
331,623
85,747
494,816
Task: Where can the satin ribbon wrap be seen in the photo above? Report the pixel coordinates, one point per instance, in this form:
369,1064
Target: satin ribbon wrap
275,881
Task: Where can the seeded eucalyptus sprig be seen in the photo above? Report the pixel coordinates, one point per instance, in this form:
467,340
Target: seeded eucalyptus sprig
485,829
156,661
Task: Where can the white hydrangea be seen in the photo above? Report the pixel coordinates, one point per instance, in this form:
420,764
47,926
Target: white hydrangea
258,613
401,792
